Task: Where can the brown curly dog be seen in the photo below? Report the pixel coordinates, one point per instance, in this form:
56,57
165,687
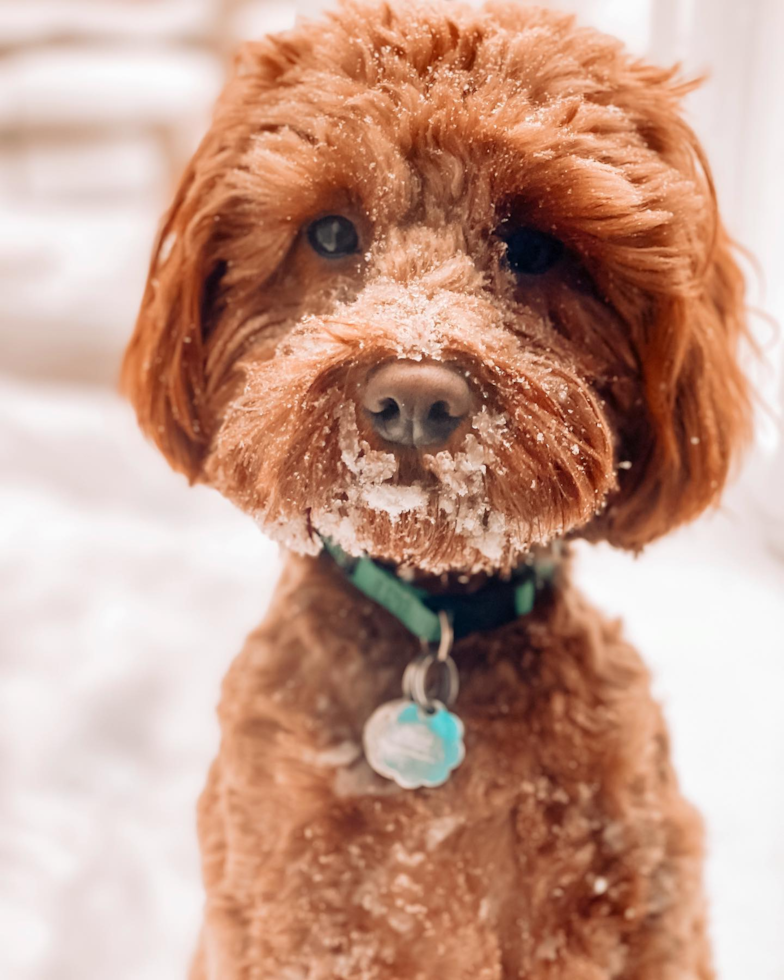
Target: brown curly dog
445,288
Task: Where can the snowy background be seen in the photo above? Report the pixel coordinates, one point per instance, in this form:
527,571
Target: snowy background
124,594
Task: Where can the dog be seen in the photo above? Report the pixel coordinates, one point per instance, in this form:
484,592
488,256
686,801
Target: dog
442,290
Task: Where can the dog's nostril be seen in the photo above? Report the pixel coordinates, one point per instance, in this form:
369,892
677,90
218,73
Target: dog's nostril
416,404
439,411
389,411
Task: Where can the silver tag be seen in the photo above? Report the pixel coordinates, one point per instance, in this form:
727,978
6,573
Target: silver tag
413,745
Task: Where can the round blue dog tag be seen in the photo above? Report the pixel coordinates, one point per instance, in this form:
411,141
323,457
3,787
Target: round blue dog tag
412,745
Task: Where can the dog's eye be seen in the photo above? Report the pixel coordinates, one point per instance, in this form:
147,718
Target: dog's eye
333,237
531,252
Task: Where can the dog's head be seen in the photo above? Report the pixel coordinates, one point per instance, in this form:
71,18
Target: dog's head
442,284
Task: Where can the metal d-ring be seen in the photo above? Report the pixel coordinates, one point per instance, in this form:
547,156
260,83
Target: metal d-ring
444,687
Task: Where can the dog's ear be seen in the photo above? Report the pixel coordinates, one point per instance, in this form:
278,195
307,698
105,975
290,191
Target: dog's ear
163,369
696,414
210,227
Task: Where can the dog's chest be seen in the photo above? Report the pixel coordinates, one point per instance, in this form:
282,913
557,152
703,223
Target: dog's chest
387,875
342,867
301,747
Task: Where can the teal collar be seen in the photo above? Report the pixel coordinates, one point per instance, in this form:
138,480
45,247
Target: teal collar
498,602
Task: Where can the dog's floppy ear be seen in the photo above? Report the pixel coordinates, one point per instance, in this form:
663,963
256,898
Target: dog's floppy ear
163,373
697,412
163,369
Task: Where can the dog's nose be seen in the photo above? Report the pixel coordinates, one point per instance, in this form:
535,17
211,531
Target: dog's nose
416,404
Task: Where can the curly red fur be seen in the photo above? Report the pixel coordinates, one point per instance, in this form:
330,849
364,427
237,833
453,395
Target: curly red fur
610,406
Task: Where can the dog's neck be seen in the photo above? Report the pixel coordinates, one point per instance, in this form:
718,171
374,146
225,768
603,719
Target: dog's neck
472,603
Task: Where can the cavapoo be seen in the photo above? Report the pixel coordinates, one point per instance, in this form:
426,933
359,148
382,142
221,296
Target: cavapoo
442,290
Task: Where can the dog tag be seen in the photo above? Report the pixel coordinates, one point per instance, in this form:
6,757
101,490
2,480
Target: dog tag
412,745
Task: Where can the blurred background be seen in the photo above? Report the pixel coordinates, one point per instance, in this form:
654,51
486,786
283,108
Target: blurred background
124,594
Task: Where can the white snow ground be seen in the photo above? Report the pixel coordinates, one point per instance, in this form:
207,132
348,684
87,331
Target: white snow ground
123,596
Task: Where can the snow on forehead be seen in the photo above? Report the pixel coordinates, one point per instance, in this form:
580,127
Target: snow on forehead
423,320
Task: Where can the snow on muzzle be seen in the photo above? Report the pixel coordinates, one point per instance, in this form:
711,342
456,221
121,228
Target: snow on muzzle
534,460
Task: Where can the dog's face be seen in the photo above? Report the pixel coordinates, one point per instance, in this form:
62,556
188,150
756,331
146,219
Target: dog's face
443,284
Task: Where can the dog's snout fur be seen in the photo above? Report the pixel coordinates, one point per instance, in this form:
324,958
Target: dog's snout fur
413,403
